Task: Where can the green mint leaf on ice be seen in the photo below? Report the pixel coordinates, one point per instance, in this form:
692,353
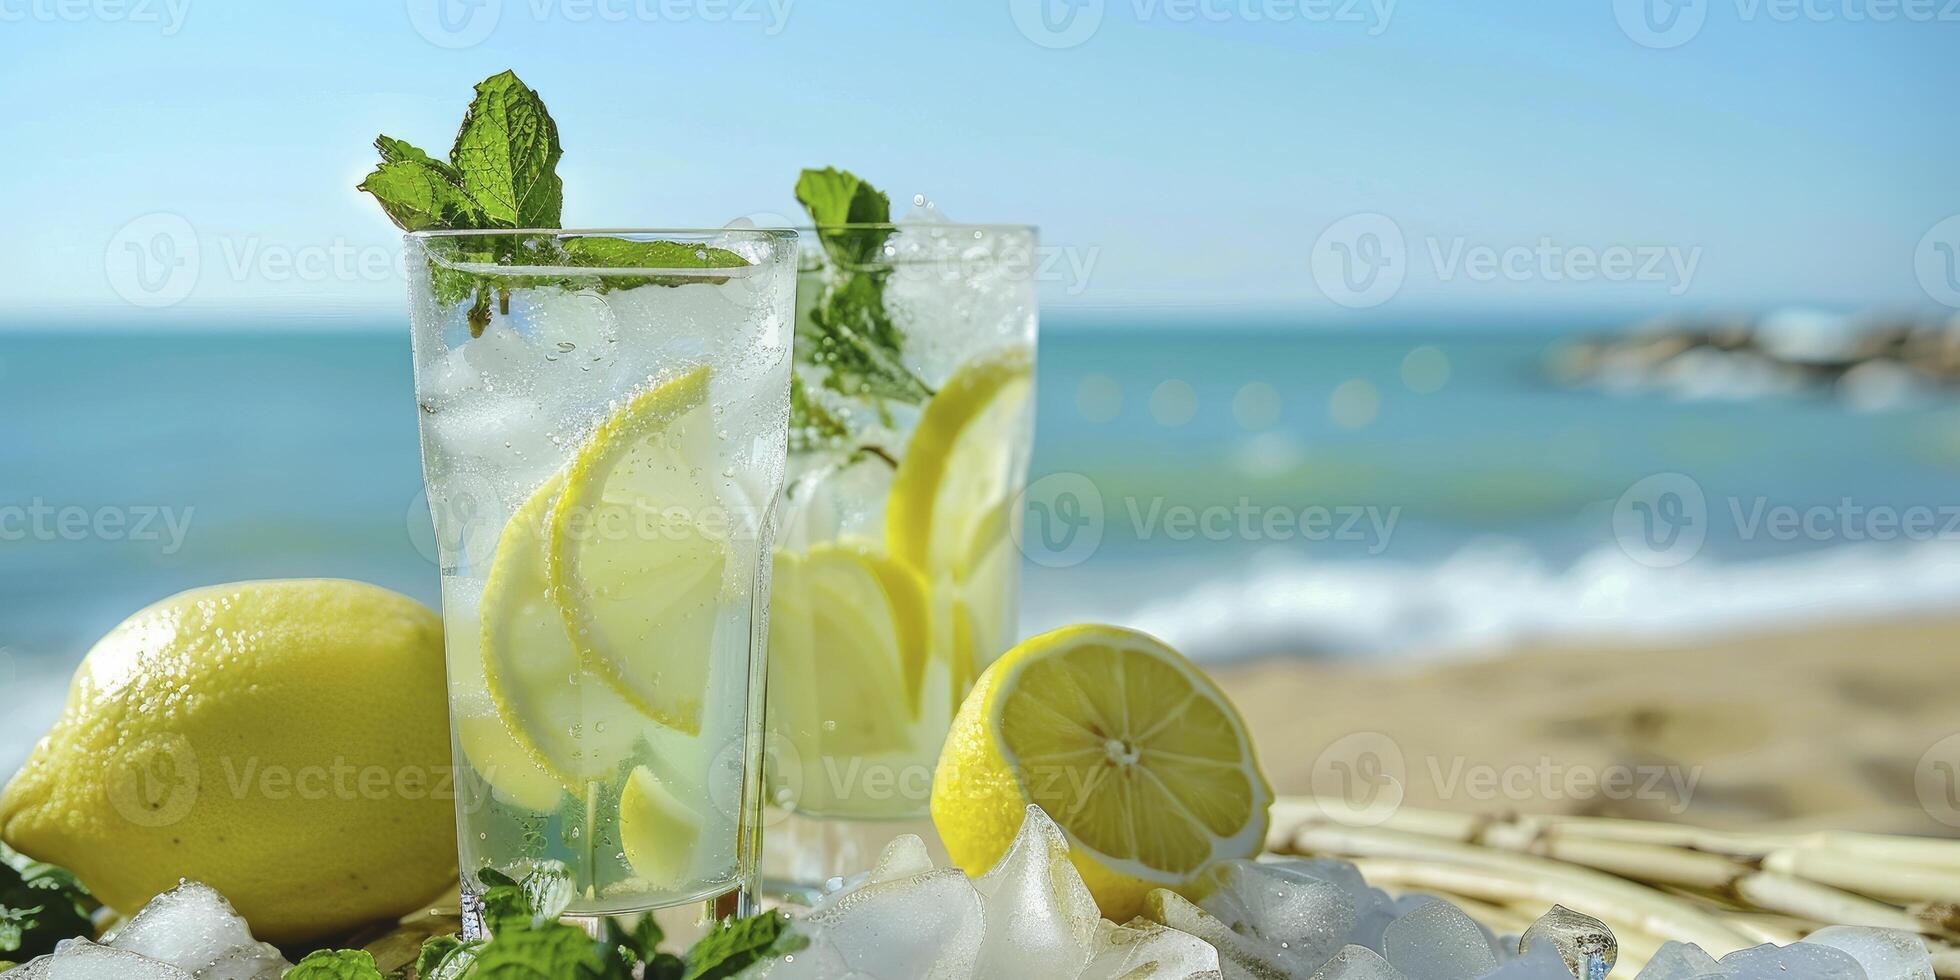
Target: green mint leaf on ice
336,964
508,153
738,944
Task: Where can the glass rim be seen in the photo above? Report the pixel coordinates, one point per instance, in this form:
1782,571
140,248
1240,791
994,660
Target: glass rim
926,225
765,232
784,236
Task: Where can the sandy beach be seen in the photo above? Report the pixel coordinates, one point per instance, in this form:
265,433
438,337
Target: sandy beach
1817,727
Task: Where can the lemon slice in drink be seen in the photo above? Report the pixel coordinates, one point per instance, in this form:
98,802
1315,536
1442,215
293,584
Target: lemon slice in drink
568,722
1132,750
638,548
848,636
951,496
657,831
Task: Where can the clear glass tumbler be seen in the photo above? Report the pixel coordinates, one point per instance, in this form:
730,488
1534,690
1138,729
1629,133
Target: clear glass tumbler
603,432
896,574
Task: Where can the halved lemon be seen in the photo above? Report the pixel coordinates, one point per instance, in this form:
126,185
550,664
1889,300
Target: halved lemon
569,722
848,638
1132,750
951,499
640,550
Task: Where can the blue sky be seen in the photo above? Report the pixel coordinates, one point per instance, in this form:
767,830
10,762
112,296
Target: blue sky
1183,154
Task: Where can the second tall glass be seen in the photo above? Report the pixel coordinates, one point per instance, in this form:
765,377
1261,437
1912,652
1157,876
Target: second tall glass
603,428
896,575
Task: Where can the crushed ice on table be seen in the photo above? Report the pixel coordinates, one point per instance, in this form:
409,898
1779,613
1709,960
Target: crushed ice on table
1300,919
1040,916
1886,954
1541,962
1583,943
1807,960
188,931
1357,963
1029,918
1437,941
1681,961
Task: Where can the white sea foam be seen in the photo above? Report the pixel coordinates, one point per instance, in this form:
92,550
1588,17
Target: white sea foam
1495,596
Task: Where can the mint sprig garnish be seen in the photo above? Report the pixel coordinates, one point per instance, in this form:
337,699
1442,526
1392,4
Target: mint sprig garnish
507,152
40,905
849,332
336,964
502,173
735,946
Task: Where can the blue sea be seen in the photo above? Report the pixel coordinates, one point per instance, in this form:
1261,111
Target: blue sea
1241,485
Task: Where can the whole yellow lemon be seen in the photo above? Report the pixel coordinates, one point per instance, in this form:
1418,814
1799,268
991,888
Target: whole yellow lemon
285,742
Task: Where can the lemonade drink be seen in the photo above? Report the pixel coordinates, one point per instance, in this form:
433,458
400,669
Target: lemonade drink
603,428
896,572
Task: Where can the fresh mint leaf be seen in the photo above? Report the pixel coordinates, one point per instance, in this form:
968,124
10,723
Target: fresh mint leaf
738,944
419,196
626,253
336,964
445,958
40,905
508,151
836,197
642,940
393,150
548,952
850,333
839,197
812,425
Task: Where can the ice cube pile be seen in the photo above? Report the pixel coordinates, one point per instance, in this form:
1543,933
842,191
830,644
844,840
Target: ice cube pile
1031,918
187,932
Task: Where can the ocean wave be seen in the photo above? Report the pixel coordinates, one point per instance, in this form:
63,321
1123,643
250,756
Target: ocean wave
1497,595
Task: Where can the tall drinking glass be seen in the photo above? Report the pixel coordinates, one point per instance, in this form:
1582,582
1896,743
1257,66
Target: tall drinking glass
896,574
603,436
